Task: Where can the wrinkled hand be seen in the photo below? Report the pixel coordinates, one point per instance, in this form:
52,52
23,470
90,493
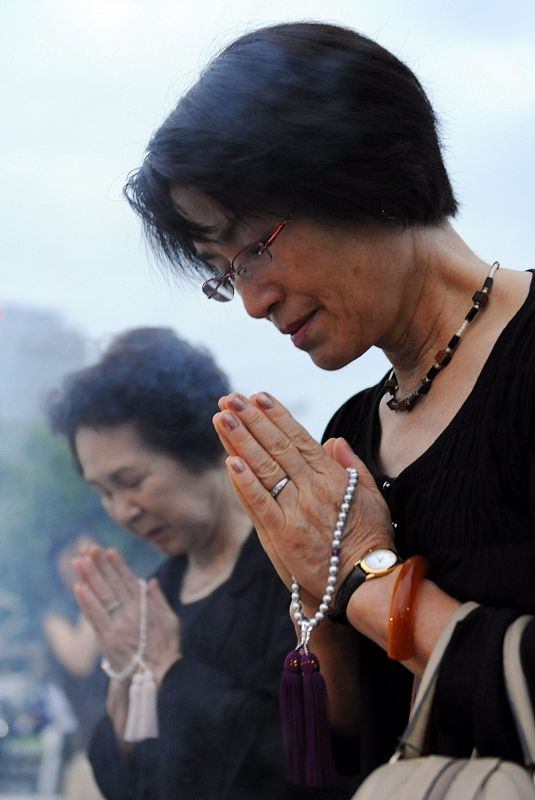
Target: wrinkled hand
265,443
108,594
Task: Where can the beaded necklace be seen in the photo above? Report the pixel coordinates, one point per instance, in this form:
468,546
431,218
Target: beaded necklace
443,357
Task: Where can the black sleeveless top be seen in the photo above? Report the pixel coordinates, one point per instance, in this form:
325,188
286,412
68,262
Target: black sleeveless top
468,505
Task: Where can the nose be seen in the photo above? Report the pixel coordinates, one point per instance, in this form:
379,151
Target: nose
123,509
260,296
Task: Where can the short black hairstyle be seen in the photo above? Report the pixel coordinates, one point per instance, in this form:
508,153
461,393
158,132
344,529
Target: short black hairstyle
304,116
153,379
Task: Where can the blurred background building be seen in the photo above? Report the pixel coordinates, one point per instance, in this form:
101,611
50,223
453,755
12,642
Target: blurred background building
36,349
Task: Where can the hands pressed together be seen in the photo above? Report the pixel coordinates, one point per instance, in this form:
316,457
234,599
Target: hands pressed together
265,443
108,594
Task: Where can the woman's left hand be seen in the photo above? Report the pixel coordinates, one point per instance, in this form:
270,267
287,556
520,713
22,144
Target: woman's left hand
265,443
108,593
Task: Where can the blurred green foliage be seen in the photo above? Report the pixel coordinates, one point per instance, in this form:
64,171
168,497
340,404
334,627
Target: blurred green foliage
44,503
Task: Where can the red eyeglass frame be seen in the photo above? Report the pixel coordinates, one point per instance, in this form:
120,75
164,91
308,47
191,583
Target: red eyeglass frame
213,284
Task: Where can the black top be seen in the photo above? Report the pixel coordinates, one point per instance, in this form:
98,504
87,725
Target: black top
218,708
467,504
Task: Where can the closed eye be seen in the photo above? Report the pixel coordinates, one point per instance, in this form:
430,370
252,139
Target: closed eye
252,249
215,265
129,482
263,243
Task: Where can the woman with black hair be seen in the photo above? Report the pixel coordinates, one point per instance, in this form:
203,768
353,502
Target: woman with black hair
194,654
304,171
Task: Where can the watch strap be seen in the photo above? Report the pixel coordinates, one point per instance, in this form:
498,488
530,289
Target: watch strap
350,584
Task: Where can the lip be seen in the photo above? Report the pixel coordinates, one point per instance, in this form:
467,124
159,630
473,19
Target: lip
294,326
299,330
154,533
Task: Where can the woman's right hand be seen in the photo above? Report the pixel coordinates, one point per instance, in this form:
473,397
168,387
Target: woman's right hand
265,443
108,593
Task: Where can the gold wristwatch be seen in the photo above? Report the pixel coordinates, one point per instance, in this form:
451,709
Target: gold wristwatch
378,561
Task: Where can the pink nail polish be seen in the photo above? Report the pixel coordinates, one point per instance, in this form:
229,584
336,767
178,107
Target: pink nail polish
264,400
237,402
237,465
229,421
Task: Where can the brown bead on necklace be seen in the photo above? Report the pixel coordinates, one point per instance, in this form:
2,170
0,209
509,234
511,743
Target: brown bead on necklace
443,357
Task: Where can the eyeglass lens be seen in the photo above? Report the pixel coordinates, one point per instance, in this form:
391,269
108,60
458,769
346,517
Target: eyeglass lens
220,289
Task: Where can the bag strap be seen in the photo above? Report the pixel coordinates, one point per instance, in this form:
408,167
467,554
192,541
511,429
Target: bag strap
413,740
517,690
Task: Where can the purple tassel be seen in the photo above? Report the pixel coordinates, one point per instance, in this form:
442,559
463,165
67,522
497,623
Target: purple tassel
320,769
293,718
305,723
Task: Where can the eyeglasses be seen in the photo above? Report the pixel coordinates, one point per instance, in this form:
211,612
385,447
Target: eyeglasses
250,260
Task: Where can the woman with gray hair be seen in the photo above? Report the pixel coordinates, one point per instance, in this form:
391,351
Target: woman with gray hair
194,653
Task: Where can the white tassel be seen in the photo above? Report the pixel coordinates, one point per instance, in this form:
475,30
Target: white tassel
149,712
134,710
142,719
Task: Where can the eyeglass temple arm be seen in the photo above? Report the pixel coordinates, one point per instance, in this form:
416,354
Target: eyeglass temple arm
267,244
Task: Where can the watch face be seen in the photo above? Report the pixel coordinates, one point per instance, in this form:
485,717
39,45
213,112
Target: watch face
379,560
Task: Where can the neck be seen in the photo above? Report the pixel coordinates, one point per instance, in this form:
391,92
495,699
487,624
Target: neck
212,564
436,285
225,544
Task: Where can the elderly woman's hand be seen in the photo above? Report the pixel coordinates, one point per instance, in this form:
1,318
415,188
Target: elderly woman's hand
265,443
109,595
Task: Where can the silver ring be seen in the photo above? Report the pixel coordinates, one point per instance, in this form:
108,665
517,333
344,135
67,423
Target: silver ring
279,486
113,606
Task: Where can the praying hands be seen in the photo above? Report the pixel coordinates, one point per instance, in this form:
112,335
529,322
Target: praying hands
265,444
109,595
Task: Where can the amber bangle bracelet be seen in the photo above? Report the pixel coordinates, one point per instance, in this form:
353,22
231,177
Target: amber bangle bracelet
400,645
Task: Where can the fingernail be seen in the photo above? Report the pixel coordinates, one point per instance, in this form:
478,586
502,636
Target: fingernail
264,400
229,421
237,402
237,465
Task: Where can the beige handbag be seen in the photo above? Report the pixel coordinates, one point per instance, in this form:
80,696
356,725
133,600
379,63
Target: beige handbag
411,776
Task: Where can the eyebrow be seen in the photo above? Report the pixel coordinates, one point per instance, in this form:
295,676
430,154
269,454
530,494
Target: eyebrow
116,475
225,236
229,232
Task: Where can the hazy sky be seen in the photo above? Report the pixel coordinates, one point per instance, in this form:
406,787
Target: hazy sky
84,83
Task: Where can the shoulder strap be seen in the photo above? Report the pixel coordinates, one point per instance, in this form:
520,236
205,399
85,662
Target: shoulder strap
414,736
517,690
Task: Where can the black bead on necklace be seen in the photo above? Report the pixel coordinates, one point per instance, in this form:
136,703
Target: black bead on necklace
443,357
